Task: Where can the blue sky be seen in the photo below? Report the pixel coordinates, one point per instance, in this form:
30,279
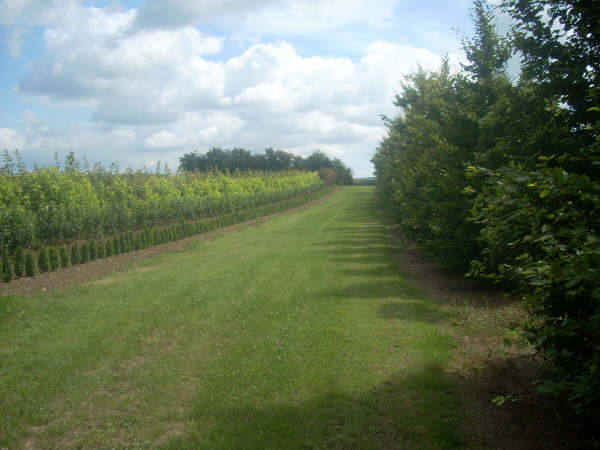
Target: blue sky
146,81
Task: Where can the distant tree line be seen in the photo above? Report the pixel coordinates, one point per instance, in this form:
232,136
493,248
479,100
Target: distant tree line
502,177
271,160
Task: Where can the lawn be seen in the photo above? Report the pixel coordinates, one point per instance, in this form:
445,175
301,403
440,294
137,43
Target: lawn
298,331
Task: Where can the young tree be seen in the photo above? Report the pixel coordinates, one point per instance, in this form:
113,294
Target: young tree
6,268
19,262
43,260
63,256
29,264
53,258
75,254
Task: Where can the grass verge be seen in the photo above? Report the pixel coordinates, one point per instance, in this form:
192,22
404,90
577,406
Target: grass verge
295,332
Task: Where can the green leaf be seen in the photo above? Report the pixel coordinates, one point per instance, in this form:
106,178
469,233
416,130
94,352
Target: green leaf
555,270
545,193
499,400
559,175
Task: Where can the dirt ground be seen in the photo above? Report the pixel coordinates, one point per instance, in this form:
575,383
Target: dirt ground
485,369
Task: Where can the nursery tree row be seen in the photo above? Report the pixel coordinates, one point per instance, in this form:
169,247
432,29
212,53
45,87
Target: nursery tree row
52,205
49,259
502,177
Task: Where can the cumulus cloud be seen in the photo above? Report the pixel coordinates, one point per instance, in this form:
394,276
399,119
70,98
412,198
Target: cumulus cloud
20,15
156,83
177,13
264,16
164,139
10,139
310,16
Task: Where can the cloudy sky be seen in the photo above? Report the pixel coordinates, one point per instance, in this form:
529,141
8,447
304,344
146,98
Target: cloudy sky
148,80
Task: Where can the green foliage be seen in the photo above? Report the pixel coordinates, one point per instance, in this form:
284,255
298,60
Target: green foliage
540,235
43,260
541,212
63,256
487,52
147,238
29,264
506,177
420,164
100,250
559,42
6,268
53,259
116,245
93,250
109,247
271,160
85,253
75,254
19,263
48,205
123,247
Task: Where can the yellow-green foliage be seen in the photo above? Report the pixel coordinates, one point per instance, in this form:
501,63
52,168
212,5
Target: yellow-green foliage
49,205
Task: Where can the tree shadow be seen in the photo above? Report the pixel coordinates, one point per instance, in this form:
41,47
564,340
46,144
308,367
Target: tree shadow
423,407
526,419
380,258
380,271
351,242
415,311
372,290
361,250
416,409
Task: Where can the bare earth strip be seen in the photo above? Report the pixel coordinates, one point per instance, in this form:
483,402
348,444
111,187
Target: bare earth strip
484,366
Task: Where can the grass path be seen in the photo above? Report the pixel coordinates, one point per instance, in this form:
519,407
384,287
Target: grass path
298,332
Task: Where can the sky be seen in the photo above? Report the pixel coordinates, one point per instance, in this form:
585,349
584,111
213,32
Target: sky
145,81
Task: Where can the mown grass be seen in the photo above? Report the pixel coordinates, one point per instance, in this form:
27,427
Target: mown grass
296,332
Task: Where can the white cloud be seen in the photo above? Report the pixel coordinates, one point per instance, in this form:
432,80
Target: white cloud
264,16
311,16
178,13
164,139
153,90
11,139
21,15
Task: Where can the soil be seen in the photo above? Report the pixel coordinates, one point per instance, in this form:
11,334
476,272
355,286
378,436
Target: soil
93,270
483,369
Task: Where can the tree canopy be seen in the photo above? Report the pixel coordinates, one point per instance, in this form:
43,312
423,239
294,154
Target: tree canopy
502,178
271,160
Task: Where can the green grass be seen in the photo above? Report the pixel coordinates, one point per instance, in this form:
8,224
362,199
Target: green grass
297,332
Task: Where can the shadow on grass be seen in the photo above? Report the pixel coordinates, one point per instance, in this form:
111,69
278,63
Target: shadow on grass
414,311
349,242
374,290
411,410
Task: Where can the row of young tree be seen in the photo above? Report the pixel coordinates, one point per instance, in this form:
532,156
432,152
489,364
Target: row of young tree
49,259
54,205
271,160
502,177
